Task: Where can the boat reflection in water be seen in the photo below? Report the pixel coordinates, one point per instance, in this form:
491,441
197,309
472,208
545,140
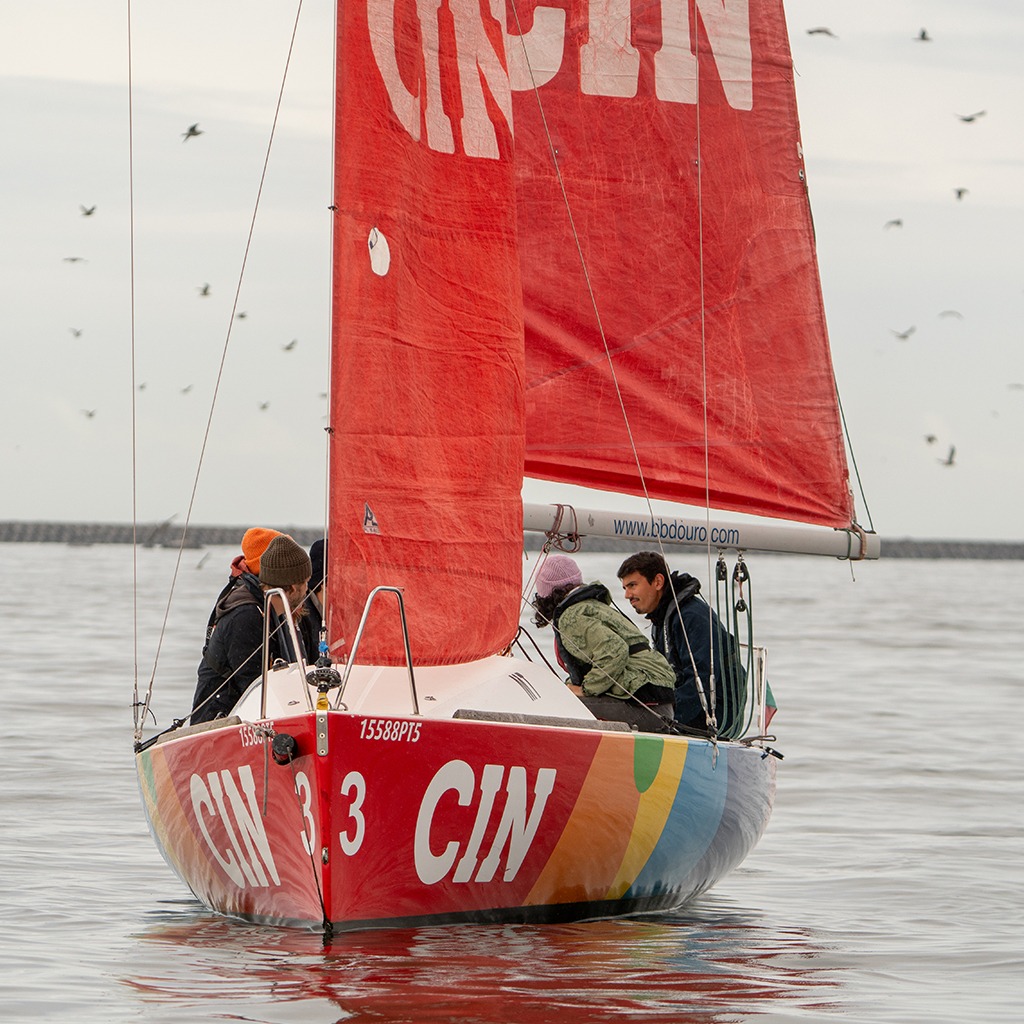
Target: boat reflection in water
707,964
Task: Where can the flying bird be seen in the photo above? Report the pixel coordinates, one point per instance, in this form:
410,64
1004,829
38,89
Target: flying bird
291,344
142,386
75,331
1016,386
241,316
264,406
202,561
186,389
930,438
968,118
953,313
193,131
204,290
960,192
897,223
903,335
822,32
923,37
88,413
948,460
87,211
75,259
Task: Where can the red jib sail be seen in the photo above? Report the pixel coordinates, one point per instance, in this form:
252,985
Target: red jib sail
426,449
677,142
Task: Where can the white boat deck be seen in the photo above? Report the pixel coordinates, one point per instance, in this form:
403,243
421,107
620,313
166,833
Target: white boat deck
494,684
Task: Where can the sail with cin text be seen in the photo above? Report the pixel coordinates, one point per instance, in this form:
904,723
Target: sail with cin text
675,130
426,448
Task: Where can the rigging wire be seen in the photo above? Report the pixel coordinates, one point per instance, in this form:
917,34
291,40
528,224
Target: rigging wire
853,460
709,711
137,719
329,429
220,370
552,152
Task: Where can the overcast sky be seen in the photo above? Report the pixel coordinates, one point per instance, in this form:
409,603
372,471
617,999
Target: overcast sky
882,140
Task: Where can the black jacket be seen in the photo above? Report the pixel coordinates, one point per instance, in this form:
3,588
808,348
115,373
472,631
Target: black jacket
232,657
671,628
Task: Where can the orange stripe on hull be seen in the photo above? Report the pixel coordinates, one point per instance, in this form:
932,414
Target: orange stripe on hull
590,857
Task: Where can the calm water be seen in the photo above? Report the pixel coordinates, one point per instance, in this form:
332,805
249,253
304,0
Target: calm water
888,887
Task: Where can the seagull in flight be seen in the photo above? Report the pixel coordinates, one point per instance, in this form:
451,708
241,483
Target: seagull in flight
88,413
822,32
193,131
953,313
291,344
186,389
930,438
897,223
204,290
75,259
923,37
87,211
968,118
903,335
75,331
960,192
264,406
948,460
241,316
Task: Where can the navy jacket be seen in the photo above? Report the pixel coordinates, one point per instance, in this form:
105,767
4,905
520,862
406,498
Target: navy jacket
671,628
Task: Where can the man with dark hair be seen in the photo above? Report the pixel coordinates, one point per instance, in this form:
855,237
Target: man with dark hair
687,631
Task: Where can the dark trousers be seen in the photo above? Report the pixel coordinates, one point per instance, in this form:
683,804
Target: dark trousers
630,711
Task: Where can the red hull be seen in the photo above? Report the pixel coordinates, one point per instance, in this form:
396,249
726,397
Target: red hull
414,820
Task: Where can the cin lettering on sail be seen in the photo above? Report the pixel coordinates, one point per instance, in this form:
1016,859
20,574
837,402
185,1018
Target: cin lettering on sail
221,811
609,64
460,855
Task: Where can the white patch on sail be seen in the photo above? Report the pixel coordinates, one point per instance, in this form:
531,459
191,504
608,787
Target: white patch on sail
380,253
369,520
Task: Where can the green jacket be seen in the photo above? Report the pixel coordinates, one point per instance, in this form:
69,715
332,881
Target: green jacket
590,631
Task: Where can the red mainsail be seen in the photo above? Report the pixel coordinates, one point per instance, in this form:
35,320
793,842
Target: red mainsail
678,146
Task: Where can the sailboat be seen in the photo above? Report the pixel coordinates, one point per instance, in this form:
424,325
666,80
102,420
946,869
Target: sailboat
572,241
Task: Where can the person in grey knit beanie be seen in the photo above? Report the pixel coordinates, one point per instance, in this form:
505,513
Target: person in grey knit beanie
285,564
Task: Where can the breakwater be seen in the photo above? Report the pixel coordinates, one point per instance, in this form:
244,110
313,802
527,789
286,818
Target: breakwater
169,534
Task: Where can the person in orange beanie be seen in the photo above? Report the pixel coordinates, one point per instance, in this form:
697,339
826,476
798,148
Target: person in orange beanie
255,542
233,654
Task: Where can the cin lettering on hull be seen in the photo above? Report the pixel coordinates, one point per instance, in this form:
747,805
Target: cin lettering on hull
230,818
609,64
516,829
